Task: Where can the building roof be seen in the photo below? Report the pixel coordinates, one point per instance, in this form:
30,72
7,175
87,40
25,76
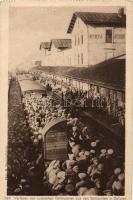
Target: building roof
44,45
99,19
110,73
61,43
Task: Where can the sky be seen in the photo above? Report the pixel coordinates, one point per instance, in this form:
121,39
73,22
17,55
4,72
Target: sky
29,26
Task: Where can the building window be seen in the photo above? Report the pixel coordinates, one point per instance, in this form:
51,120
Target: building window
75,40
108,36
82,59
78,24
118,36
78,59
70,60
81,39
78,40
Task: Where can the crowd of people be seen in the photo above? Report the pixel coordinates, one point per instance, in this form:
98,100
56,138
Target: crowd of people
91,99
91,167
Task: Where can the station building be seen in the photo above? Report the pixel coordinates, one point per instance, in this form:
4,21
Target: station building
93,38
57,52
93,59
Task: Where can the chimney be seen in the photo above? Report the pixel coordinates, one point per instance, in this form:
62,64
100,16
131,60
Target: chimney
121,12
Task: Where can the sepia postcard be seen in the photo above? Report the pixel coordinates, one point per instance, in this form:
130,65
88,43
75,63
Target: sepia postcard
66,100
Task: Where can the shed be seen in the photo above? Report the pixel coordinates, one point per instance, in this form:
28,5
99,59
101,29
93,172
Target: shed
55,140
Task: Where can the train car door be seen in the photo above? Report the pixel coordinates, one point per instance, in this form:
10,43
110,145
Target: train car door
55,140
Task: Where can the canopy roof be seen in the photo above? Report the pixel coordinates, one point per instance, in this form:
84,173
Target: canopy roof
110,73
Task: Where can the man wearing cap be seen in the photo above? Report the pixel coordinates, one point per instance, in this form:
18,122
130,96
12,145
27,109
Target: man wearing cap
112,178
59,182
83,161
118,188
68,164
108,164
83,181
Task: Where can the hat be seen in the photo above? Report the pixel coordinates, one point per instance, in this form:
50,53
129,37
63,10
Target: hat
82,176
17,191
23,181
56,164
103,151
71,119
35,133
69,187
57,187
87,153
100,167
35,141
72,162
69,172
71,144
117,185
91,192
110,151
44,178
75,119
19,149
81,153
60,180
102,155
52,179
61,174
82,190
76,168
27,186
93,144
69,115
32,137
95,158
76,149
31,169
92,151
107,192
85,128
121,177
74,128
117,171
71,156
97,141
39,137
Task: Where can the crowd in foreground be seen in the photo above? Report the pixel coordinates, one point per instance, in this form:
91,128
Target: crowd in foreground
91,168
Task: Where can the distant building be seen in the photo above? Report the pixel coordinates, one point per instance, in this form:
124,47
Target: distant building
58,53
97,36
57,45
38,63
45,46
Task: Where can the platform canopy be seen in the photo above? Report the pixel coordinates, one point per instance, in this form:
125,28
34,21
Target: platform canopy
109,73
31,86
